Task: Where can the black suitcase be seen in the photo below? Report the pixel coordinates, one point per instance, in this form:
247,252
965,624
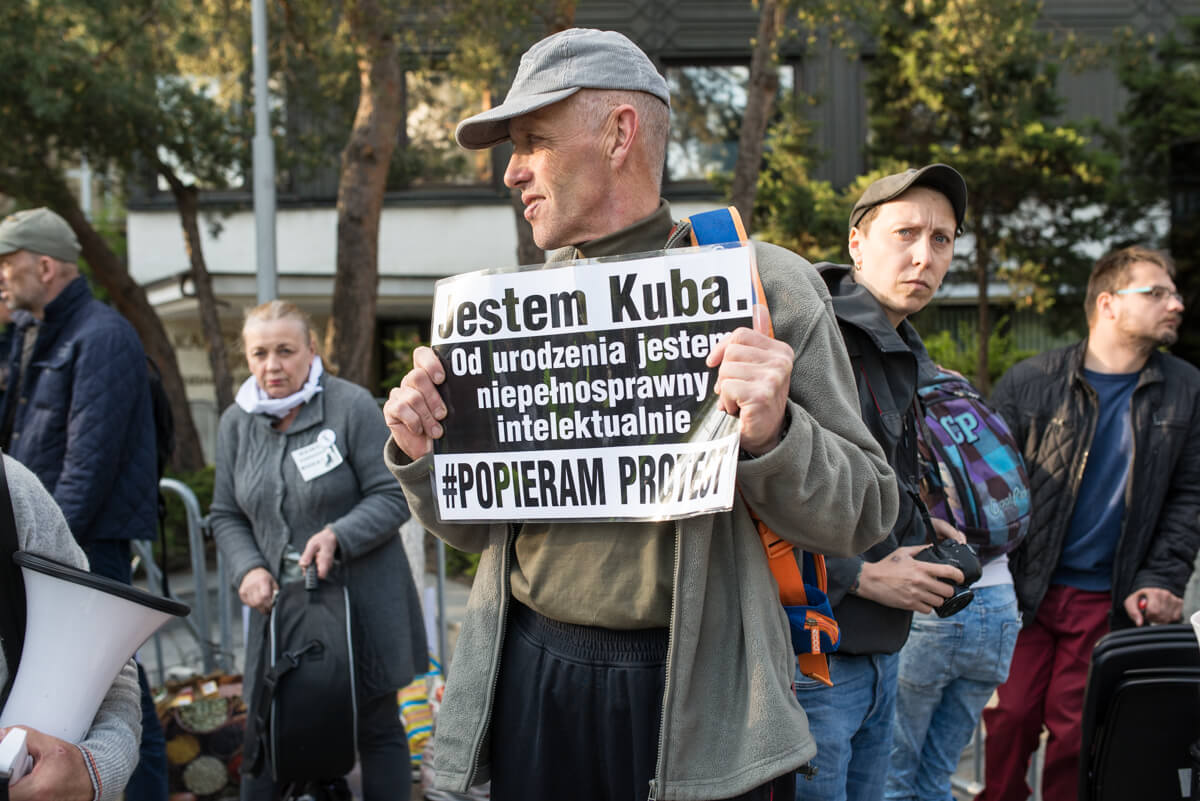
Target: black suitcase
1141,714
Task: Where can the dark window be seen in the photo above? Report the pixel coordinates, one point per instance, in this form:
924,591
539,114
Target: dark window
427,154
707,106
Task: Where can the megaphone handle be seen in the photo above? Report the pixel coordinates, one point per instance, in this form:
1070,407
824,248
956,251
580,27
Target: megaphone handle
310,576
14,758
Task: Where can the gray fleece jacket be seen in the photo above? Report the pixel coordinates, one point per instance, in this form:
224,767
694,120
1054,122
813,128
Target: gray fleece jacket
110,747
730,721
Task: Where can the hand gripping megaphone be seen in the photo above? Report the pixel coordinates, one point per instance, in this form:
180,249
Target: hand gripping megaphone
80,630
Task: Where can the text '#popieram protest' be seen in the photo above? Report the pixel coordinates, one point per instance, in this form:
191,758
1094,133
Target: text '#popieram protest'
580,391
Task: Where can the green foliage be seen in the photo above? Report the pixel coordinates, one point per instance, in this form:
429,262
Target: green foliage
454,55
399,348
972,83
959,353
792,209
102,78
461,563
1163,81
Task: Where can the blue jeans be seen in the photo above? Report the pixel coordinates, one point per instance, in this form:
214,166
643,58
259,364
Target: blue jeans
852,725
949,668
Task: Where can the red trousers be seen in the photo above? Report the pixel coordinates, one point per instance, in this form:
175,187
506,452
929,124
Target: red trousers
1045,687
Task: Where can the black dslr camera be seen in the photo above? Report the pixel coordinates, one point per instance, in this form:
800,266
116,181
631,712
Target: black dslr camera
955,554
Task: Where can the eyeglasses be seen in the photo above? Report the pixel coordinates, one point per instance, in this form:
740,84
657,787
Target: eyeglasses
1159,293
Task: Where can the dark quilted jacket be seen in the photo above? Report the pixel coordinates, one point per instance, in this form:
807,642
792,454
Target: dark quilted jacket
1052,412
83,423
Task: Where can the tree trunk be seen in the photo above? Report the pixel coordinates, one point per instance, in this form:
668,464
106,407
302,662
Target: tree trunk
130,300
361,185
982,258
760,105
210,322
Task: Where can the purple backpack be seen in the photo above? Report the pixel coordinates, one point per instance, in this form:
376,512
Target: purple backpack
973,473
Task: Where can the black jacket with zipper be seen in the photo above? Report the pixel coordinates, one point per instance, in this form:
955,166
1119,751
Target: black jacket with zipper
1052,411
885,369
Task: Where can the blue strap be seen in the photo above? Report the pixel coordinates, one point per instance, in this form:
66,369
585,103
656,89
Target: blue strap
714,227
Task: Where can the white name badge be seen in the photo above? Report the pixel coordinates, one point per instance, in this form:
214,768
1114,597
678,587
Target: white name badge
319,458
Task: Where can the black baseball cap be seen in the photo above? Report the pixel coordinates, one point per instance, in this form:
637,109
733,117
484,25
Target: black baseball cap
941,177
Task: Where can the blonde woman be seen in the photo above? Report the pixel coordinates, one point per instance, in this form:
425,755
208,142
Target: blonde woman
271,497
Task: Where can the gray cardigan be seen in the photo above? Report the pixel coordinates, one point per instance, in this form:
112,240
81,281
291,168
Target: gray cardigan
261,504
110,747
730,721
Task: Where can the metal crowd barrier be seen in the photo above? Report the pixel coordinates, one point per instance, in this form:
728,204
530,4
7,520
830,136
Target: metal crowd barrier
220,654
974,785
212,655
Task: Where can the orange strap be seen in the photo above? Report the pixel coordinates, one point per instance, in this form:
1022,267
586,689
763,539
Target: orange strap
781,555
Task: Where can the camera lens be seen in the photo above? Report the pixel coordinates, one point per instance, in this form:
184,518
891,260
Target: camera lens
955,603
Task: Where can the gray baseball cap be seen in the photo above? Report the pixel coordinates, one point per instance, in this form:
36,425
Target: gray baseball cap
940,177
556,68
39,231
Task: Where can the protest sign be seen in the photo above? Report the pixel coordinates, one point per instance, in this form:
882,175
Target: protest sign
580,391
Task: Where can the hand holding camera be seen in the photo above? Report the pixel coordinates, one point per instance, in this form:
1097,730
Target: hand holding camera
961,556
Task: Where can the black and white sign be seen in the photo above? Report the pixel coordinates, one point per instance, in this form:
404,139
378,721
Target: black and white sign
581,391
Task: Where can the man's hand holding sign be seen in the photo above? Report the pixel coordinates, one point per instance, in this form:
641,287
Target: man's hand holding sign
414,409
752,382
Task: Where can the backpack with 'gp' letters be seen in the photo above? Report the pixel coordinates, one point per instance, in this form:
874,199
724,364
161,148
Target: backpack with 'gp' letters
800,574
973,473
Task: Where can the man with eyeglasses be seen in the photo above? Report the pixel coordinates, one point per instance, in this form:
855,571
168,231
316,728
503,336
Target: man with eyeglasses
1110,429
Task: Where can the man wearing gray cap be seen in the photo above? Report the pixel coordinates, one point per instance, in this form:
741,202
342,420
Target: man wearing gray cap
77,414
901,240
620,661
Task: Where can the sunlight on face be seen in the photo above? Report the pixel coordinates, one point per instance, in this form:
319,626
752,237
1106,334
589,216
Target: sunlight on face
906,251
1141,317
559,167
279,355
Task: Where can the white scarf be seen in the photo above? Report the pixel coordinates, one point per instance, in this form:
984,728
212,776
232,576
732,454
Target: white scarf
251,397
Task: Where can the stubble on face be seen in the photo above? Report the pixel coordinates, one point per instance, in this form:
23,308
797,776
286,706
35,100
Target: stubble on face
1144,320
558,167
19,286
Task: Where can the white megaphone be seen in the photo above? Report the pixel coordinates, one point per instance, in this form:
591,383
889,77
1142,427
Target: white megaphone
80,630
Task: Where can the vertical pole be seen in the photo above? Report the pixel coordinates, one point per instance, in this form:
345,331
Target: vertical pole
85,187
441,603
264,160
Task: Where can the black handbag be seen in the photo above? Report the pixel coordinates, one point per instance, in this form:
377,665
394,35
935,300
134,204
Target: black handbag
304,720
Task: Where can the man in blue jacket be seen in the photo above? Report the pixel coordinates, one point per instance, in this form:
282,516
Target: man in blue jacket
77,414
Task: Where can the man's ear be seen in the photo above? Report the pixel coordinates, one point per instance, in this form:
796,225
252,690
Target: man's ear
854,245
1104,306
620,134
47,269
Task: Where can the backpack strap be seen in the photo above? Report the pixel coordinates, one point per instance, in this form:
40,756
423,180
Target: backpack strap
800,574
717,227
12,617
258,725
